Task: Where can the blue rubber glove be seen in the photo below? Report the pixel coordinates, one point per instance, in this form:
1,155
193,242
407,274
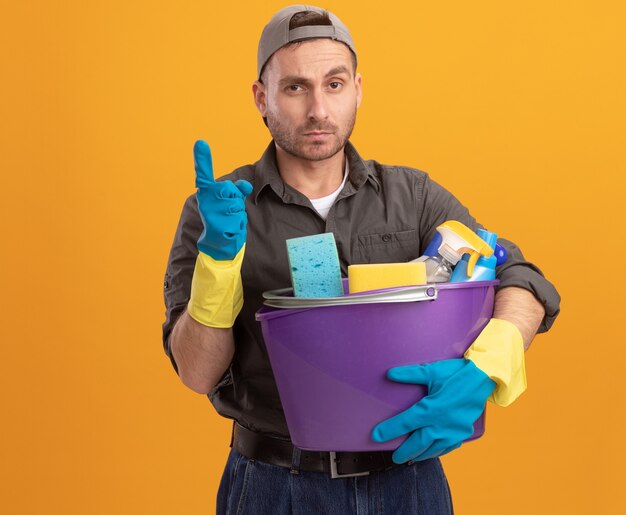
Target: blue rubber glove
216,296
221,206
440,421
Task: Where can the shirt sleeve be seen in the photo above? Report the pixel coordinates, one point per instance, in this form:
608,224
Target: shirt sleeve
440,205
180,266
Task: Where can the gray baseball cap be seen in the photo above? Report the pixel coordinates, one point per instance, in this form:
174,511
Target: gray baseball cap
276,33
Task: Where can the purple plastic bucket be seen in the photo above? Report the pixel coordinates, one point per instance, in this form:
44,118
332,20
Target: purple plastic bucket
330,363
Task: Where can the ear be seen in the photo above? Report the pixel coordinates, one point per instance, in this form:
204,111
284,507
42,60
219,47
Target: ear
260,98
358,84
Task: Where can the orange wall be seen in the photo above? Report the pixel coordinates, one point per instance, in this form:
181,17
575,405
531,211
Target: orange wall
518,108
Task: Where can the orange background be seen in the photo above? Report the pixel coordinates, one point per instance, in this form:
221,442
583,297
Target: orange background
518,108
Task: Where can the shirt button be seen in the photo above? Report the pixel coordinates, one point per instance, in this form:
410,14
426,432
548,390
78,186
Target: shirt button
386,238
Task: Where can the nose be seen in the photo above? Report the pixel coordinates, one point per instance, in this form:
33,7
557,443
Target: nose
318,110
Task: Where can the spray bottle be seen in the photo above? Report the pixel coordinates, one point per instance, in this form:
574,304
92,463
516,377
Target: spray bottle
456,240
485,269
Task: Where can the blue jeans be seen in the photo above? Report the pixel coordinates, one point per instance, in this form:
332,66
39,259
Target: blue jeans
250,487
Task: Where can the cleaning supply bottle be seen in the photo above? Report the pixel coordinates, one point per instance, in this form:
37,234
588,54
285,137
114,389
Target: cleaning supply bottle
437,269
501,254
485,268
434,244
456,240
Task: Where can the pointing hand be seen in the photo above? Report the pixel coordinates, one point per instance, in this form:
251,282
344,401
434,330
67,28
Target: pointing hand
222,208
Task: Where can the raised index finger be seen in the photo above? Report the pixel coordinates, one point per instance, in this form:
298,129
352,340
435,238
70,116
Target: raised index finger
203,163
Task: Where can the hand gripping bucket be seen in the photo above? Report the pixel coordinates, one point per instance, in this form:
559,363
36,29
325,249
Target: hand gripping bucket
330,356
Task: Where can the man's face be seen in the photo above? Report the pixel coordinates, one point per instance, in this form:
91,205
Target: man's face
309,97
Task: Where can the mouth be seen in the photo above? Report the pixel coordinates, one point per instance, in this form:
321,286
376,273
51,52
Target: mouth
317,134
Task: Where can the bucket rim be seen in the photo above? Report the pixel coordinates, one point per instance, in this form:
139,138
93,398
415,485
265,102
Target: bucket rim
269,312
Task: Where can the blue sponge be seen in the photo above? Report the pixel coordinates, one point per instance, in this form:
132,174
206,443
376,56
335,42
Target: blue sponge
314,263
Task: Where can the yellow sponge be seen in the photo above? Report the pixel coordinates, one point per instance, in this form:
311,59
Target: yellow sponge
385,275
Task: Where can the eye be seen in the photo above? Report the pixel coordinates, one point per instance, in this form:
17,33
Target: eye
335,85
294,88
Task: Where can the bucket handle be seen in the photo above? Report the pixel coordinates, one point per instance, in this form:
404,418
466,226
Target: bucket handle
277,298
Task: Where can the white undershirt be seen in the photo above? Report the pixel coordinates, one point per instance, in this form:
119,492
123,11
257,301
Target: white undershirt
323,204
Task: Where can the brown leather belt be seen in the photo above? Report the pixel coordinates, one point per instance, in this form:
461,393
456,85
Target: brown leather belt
276,451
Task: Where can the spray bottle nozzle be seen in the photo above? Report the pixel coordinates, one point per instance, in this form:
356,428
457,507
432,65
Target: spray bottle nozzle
459,239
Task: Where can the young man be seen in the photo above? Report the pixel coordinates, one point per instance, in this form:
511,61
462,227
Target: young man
230,247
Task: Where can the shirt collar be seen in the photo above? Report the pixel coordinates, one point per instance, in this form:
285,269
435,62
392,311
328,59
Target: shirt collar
266,173
360,171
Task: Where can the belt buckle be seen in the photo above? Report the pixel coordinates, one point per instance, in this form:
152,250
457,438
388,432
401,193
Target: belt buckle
333,468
